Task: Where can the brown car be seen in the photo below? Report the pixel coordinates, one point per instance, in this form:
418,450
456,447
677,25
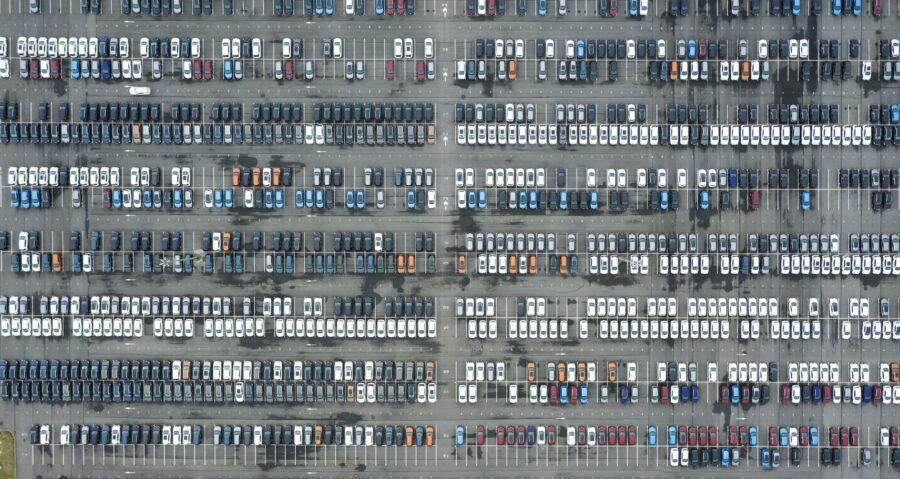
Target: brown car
236,176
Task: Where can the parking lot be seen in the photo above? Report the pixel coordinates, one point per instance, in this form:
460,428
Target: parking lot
592,273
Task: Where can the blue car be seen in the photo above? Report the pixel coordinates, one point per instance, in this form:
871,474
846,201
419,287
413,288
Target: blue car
329,7
460,435
704,200
35,197
75,67
672,432
229,198
178,200
523,200
895,113
813,436
482,199
735,394
783,436
14,200
320,7
692,49
754,435
411,199
531,435
25,198
542,7
651,435
835,7
320,198
579,49
563,395
360,199
471,203
117,198
229,72
595,203
857,7
583,393
695,393
298,199
217,197
310,198
279,198
268,200
764,458
804,200
148,198
633,8
664,200
732,178
563,200
532,200
379,7
351,200
726,457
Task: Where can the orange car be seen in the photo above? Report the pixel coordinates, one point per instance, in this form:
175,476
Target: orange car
745,70
411,264
564,264
429,371
532,264
430,134
276,176
612,371
318,435
673,70
429,436
895,372
410,435
136,134
186,369
561,371
57,263
530,372
255,174
351,392
401,264
582,372
511,265
236,176
226,241
461,264
511,71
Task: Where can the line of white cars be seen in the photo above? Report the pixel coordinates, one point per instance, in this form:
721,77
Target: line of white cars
534,329
67,47
836,264
485,371
234,327
34,175
106,327
17,326
320,327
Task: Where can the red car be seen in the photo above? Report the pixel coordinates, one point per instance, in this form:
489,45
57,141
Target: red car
732,436
54,68
601,435
701,49
876,8
785,394
107,195
573,394
664,394
35,68
511,436
208,70
198,70
692,436
713,436
632,435
895,437
389,69
845,436
622,437
492,7
826,394
551,435
682,435
724,394
773,436
754,200
289,69
804,436
389,7
613,8
554,393
876,392
612,435
501,435
581,434
833,436
744,435
701,435
420,70
854,436
479,435
745,394
521,433
401,7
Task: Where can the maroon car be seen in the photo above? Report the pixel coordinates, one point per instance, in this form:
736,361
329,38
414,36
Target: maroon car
35,68
208,70
54,68
289,69
198,70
